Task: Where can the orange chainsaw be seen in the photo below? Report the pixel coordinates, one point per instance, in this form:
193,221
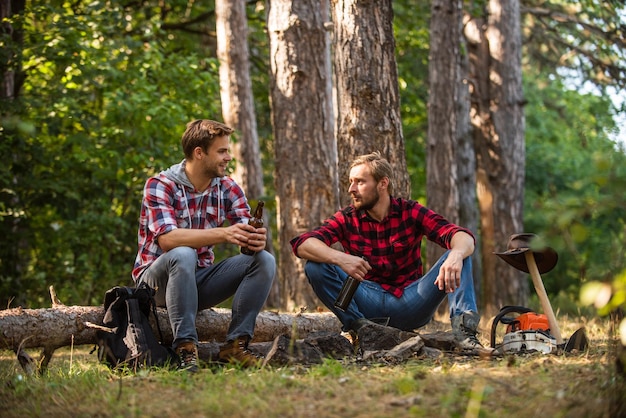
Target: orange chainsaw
527,331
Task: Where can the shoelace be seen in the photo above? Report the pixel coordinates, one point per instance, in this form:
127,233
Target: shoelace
245,351
187,358
471,336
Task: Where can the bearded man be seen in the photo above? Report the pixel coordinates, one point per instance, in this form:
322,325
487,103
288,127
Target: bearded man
381,236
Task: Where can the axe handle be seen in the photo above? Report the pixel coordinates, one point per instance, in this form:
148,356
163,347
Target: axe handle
543,296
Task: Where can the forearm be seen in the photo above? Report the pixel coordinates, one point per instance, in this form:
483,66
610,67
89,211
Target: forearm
463,244
194,238
315,250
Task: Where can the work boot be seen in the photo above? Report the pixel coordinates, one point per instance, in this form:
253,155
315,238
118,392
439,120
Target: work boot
187,356
237,352
464,329
373,337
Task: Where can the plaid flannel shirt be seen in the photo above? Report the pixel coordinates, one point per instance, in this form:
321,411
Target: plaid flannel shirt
393,246
168,205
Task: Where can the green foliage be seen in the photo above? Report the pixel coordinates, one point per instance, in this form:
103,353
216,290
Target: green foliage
608,298
411,30
575,175
580,38
108,105
108,88
575,178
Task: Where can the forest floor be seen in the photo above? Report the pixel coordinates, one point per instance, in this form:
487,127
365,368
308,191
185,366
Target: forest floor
582,384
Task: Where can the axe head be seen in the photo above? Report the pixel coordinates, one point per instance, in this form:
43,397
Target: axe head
578,341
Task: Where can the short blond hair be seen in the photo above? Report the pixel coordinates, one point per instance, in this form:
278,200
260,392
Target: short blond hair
378,165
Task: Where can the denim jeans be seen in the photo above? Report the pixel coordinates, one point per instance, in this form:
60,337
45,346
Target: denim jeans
414,309
184,289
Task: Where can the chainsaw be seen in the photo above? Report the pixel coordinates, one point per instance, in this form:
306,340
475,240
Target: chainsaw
527,331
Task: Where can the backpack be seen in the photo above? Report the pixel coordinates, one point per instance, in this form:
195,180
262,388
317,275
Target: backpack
126,337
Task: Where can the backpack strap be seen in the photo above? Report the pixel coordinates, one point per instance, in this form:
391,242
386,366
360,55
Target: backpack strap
152,303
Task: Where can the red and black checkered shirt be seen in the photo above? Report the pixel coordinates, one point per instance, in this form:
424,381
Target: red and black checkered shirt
393,246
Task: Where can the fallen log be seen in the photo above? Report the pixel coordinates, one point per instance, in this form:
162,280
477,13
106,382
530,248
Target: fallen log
63,326
282,337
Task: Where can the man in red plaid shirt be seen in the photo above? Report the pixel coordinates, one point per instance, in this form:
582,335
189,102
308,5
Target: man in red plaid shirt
381,237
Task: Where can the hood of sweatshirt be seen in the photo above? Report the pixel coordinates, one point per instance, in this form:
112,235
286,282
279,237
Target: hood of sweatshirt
176,173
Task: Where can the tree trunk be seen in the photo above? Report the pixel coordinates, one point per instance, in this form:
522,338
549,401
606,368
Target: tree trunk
498,120
451,163
368,103
15,244
236,93
63,326
443,113
238,106
469,215
302,118
10,65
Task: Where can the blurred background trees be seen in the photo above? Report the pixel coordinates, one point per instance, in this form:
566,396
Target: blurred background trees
95,96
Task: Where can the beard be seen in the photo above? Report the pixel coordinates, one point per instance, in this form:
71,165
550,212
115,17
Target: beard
366,203
213,171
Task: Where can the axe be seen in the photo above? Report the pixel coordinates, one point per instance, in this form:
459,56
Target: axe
543,296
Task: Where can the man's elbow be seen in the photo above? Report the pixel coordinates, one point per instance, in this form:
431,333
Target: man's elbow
302,249
463,240
471,244
165,242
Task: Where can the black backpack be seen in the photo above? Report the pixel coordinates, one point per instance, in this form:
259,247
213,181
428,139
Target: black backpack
126,337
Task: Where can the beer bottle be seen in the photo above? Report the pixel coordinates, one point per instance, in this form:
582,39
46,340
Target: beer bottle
257,222
346,293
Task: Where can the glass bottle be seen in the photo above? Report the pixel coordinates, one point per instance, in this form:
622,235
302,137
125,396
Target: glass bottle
257,222
347,291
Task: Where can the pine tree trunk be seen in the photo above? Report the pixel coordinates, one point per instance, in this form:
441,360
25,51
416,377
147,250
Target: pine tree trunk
238,107
494,45
443,113
368,103
236,93
451,163
302,118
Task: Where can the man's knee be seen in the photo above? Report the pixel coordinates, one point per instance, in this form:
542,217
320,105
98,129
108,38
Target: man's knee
265,258
183,256
267,263
315,271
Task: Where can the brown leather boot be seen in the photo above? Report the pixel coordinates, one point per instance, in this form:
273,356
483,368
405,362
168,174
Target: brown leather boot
188,356
237,352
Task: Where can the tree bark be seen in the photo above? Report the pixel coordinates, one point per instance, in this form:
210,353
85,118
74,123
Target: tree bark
494,46
302,118
451,162
368,103
63,326
238,107
236,93
12,76
443,113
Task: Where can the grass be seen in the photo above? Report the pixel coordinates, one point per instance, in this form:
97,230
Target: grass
529,385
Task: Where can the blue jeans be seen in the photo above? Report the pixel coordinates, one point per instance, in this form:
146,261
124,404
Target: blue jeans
414,309
184,289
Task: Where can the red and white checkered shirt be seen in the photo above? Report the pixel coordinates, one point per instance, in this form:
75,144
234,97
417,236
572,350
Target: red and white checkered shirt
170,202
